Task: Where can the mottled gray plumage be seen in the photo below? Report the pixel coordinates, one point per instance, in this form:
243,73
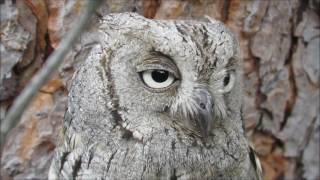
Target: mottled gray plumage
122,124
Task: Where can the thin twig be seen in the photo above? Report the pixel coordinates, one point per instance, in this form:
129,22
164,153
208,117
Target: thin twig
53,62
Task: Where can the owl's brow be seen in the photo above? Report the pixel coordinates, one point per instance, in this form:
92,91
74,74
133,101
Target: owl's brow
158,53
156,59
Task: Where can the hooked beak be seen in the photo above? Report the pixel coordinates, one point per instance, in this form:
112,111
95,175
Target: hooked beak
204,115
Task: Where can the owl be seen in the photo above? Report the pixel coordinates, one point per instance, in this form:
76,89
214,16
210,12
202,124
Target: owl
156,99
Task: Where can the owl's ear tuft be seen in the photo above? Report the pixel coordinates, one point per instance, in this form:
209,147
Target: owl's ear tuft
123,22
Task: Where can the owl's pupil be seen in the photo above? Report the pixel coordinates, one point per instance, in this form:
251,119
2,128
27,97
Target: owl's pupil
160,75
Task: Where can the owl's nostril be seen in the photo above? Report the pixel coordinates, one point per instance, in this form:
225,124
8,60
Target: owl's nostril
202,106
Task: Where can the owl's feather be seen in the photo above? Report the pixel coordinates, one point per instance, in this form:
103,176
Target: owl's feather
116,127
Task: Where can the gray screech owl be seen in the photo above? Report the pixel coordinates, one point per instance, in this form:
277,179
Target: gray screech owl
156,99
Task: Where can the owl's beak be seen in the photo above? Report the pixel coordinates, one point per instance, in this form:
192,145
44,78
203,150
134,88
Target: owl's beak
204,115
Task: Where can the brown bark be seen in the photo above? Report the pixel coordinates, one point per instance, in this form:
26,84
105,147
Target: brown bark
280,47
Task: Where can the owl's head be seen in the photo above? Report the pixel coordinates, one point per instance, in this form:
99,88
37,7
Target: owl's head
181,74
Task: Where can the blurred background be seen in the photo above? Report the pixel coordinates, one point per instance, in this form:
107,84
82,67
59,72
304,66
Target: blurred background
279,41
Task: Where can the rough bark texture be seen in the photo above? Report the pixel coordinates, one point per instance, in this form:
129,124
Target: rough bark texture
280,47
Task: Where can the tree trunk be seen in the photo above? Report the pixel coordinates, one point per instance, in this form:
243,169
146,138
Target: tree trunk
279,41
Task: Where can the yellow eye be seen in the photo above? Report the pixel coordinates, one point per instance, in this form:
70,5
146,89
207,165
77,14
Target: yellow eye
157,78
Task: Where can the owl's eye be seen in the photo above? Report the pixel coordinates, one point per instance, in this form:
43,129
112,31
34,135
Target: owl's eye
228,82
157,78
